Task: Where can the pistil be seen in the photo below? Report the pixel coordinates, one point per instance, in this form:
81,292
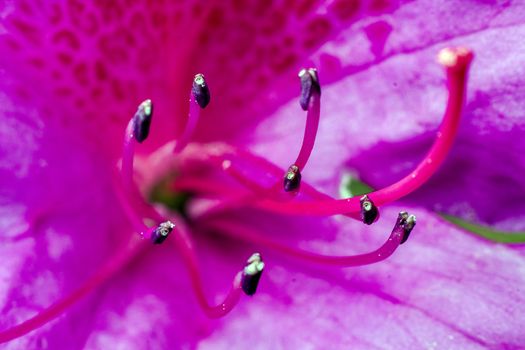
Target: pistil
456,63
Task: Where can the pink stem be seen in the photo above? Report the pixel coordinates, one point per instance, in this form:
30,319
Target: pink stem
310,131
109,270
191,124
185,247
237,231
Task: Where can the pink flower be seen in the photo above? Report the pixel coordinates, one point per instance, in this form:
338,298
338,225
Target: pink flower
72,75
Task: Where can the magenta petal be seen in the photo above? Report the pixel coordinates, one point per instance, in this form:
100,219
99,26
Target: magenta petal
72,74
47,260
443,289
100,59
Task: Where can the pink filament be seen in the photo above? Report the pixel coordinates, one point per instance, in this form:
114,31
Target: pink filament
191,124
126,189
130,202
246,181
109,270
237,231
128,155
310,131
185,247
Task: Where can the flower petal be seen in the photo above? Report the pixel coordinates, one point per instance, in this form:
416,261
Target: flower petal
100,59
442,289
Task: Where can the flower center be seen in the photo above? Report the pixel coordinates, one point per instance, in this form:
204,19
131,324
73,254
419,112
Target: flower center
218,172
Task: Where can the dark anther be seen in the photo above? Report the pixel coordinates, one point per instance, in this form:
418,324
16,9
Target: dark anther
309,86
162,232
200,91
369,211
406,223
142,121
292,179
252,274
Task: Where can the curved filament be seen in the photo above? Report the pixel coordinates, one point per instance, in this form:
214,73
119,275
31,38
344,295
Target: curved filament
186,251
310,131
247,234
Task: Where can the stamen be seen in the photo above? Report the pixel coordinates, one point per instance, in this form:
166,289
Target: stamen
161,232
142,121
369,211
199,97
238,231
252,274
310,101
292,179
